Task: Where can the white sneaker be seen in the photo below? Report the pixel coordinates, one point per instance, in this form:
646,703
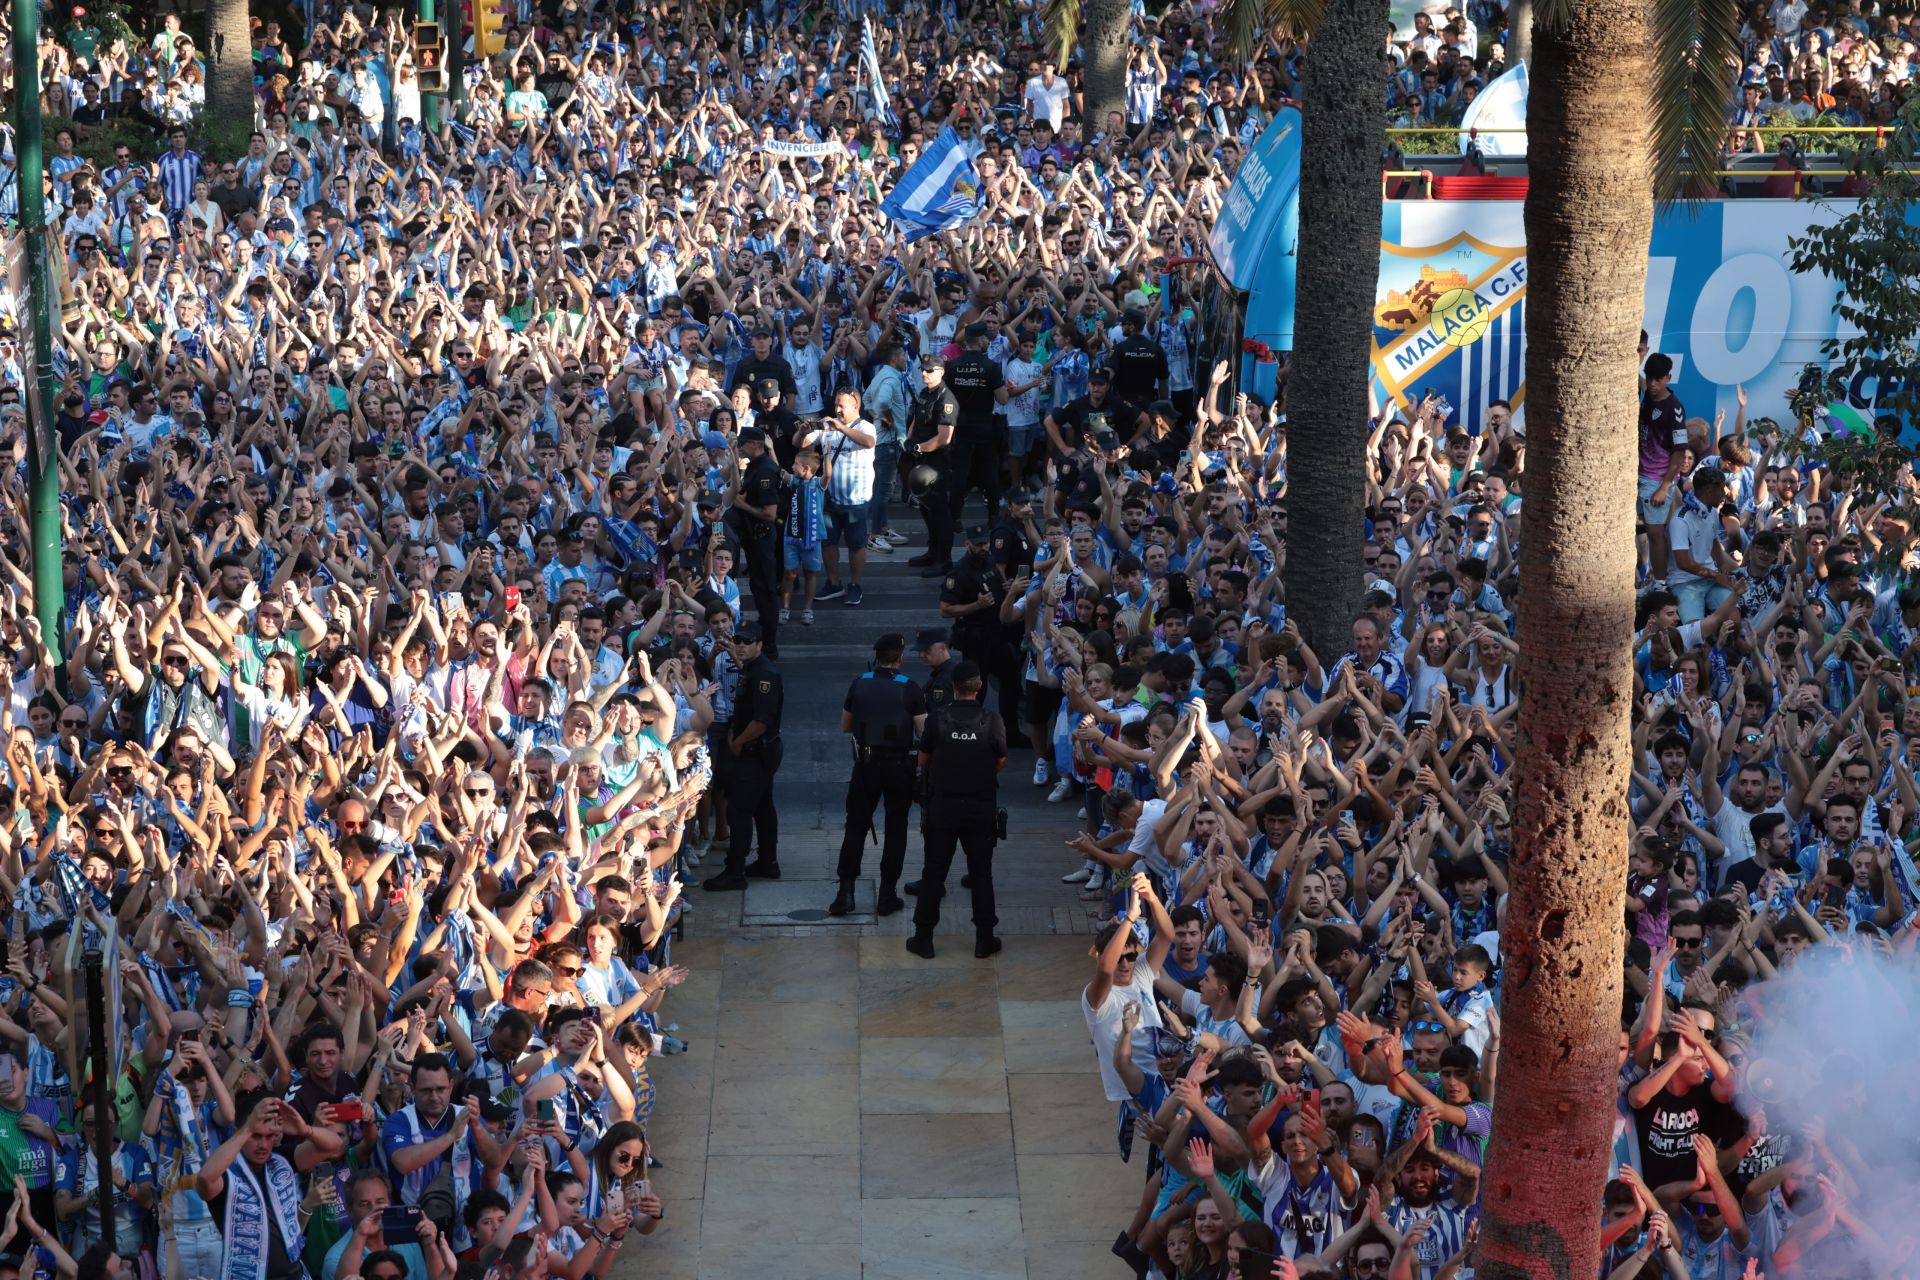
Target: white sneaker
1062,790
897,539
1041,774
783,616
806,617
1076,877
879,545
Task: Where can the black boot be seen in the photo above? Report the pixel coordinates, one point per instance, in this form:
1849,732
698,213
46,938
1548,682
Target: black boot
889,901
842,901
763,869
921,944
986,945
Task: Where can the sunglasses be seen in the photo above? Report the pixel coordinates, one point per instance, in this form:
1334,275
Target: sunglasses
575,972
1685,944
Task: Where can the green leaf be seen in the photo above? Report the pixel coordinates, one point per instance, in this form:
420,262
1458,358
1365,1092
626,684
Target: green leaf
1696,60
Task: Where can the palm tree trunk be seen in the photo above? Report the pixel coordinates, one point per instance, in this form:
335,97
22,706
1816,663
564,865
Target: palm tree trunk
1339,264
1519,32
229,65
1105,45
1589,217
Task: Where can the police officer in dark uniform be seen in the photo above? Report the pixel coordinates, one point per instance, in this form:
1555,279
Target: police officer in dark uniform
963,750
970,599
886,713
758,701
930,426
937,654
978,444
756,519
1139,364
781,424
762,364
1014,540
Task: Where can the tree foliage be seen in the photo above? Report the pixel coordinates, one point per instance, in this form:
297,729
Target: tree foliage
1872,252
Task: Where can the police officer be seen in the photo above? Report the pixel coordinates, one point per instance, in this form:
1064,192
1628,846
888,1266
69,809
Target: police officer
756,519
936,653
970,598
755,745
981,388
781,424
1139,363
930,426
1014,540
886,713
963,750
764,363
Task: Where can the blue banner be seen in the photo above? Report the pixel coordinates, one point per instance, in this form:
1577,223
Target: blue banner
1450,307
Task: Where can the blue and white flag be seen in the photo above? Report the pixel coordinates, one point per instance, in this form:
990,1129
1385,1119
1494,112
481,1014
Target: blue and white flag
1501,108
876,78
939,192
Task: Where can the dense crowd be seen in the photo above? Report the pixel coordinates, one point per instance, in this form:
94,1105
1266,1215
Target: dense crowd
434,505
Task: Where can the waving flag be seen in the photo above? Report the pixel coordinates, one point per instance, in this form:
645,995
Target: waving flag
1502,105
876,79
940,191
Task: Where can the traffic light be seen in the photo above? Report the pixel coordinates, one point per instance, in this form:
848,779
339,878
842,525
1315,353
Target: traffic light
427,58
489,27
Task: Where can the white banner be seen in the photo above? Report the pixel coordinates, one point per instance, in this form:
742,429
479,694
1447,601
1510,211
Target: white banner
814,149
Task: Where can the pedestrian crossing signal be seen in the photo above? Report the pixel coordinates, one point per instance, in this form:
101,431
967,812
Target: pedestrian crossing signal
427,55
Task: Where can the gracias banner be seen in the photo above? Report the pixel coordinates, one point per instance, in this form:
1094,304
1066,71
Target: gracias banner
1449,312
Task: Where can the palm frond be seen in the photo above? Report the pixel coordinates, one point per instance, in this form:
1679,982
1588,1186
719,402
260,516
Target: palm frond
1555,15
1246,23
1696,54
1060,24
1295,18
1249,21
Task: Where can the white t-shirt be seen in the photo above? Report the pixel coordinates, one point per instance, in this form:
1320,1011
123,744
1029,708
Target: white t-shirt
1048,101
1733,825
1104,1023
